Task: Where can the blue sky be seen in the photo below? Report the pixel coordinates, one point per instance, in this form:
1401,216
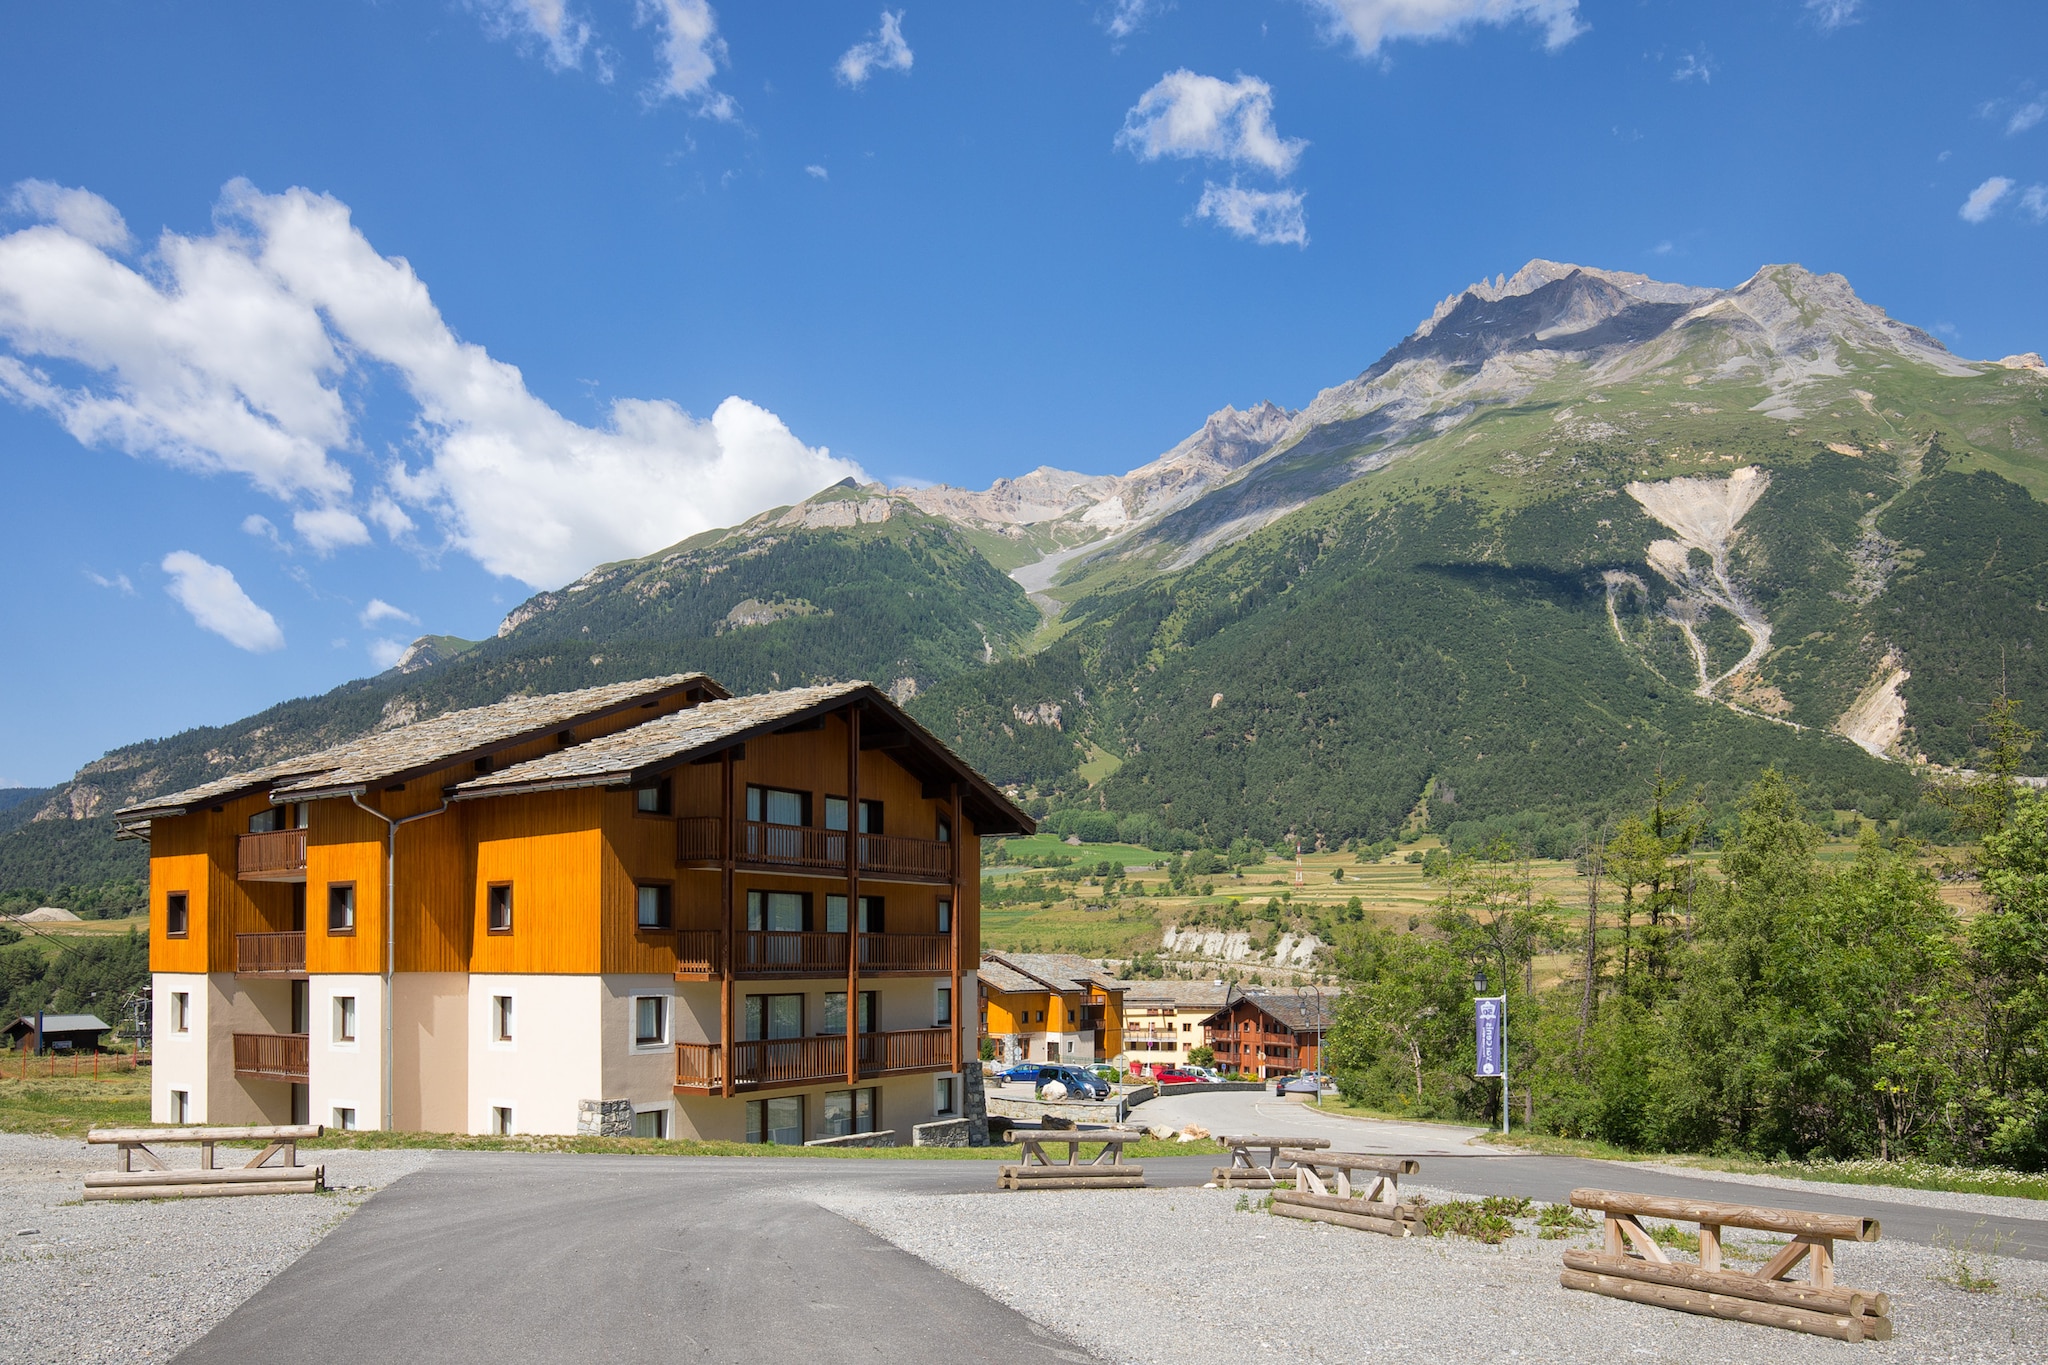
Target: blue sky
322,326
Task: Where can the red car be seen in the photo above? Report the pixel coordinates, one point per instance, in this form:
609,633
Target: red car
1173,1075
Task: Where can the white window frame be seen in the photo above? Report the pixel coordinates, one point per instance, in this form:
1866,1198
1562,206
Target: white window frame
668,1011
353,1010
353,1122
946,1096
181,1106
504,1121
510,1041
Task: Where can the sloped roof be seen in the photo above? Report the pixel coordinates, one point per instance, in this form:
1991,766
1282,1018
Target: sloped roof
1052,971
1008,980
1301,1011
63,1023
1187,995
409,750
644,752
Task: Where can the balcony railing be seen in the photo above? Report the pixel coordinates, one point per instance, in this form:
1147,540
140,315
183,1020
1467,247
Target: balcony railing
904,952
766,1064
776,952
701,839
700,952
277,855
271,1056
270,954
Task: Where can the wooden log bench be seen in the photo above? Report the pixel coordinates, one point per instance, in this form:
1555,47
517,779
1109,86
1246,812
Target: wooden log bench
1246,1173
1632,1265
1371,1205
1106,1171
152,1179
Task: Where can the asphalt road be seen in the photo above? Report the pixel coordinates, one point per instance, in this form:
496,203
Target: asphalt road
506,1258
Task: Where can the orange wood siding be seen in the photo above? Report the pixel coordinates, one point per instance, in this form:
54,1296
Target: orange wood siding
344,844
178,862
550,846
638,848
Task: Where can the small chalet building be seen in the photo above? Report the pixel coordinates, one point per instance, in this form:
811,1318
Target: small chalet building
59,1033
1272,1033
1166,1020
648,907
1050,1007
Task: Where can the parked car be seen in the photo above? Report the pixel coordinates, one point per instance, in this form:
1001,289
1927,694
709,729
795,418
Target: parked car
1298,1085
1020,1071
1079,1083
1173,1075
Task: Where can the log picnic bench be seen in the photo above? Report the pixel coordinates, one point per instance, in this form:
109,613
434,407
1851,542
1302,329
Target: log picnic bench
1817,1305
1373,1205
1243,1173
154,1180
1107,1171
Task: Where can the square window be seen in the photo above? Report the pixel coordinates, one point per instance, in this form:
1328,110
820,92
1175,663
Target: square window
650,1020
652,800
344,1119
501,1018
344,1018
501,1120
498,908
850,1111
779,1120
651,1123
181,1106
653,906
177,918
181,1012
341,907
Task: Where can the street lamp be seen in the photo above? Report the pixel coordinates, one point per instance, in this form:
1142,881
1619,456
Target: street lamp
1501,1024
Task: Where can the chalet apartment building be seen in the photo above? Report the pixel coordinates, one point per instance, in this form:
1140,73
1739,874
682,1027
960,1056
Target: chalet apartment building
1273,1033
649,907
1164,1021
1050,1007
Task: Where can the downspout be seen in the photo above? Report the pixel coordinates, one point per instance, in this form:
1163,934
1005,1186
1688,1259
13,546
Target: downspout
391,928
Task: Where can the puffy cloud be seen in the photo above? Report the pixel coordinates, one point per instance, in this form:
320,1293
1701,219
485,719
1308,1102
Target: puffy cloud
562,35
692,51
1985,198
1189,116
1369,23
218,604
229,353
2026,116
1268,217
385,653
885,51
380,610
2035,202
1832,14
81,213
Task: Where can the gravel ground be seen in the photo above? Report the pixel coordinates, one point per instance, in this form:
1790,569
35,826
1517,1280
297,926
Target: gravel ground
1181,1277
119,1281
1987,1205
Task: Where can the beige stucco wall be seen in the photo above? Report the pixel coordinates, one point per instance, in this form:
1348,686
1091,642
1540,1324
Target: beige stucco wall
342,1074
430,1051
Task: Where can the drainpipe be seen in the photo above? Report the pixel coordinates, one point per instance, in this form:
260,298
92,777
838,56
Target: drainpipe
391,926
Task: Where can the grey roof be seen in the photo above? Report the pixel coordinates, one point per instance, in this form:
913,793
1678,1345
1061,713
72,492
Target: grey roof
1008,980
645,751
64,1023
1054,971
1187,995
422,745
1301,1011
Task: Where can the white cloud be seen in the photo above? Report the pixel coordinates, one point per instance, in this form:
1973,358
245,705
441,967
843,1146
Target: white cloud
2035,202
1832,14
817,172
1186,115
263,528
692,51
385,653
561,34
1695,66
1128,16
380,610
81,213
1268,217
1664,248
228,353
1369,23
119,582
2026,116
885,51
218,603
1984,199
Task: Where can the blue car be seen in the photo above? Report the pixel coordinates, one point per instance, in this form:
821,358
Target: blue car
1022,1071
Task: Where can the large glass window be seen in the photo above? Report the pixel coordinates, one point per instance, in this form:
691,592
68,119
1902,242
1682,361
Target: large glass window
851,1111
835,1012
775,1016
779,1120
870,815
773,806
872,915
779,911
651,1123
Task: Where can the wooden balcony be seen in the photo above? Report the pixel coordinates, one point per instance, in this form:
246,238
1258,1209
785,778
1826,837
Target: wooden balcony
781,1062
271,1056
700,954
277,955
278,855
700,842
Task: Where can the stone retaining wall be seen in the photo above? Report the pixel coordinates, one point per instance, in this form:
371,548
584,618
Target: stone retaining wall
948,1133
885,1138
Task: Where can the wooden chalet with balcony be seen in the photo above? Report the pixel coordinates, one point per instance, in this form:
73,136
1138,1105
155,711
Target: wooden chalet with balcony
1272,1033
1050,1007
649,907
